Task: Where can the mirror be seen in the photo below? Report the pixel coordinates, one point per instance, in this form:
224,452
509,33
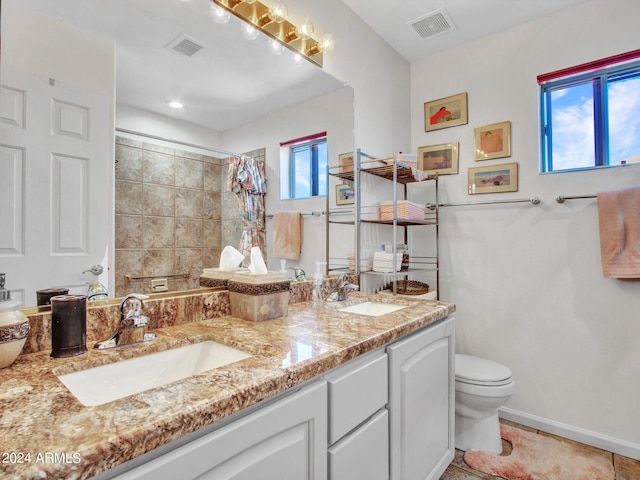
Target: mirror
232,90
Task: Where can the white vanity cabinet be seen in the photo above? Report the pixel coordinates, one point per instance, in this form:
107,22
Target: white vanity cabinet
358,419
422,403
387,414
282,441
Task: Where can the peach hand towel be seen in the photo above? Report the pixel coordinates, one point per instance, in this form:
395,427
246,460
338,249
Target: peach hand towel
619,219
287,235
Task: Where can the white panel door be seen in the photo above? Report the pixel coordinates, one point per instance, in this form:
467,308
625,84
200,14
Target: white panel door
56,181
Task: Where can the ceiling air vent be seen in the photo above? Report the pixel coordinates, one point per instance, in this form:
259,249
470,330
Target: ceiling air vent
432,24
185,45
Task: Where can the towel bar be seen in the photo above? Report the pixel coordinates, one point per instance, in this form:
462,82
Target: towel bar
130,277
313,213
531,200
562,198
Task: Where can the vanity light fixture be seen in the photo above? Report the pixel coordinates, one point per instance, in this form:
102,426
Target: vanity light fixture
270,18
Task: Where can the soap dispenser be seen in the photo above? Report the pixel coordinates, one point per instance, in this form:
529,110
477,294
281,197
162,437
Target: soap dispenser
14,327
316,296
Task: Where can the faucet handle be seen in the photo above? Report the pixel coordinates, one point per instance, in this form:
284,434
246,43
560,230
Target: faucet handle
132,305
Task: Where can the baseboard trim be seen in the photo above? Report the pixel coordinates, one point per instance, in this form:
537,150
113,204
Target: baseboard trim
610,444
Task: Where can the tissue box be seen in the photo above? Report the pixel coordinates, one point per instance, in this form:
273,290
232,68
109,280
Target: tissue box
259,297
213,277
406,210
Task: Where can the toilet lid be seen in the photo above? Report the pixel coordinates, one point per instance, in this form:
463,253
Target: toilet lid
480,371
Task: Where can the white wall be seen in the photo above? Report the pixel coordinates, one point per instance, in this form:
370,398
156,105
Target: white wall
143,121
42,45
527,279
378,75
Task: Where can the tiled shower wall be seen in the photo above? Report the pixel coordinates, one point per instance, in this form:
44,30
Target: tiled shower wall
173,214
168,214
168,206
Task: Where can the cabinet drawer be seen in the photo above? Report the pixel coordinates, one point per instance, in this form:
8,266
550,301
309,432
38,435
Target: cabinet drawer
356,393
364,453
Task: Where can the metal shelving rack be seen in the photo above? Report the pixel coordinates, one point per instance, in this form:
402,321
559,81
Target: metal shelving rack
401,175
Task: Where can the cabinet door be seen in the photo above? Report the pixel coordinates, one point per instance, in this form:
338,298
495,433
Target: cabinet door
421,403
282,441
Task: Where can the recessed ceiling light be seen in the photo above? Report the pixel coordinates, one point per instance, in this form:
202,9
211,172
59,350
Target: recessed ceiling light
175,105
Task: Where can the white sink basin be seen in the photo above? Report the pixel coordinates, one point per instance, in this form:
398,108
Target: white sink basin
374,309
103,384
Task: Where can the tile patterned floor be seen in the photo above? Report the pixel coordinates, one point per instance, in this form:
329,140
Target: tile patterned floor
625,468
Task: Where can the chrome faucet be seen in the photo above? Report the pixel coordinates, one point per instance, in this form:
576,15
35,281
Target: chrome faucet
132,327
342,289
298,274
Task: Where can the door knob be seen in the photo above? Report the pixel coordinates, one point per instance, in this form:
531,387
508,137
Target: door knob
96,270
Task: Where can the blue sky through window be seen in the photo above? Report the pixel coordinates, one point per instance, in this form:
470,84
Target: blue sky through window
624,121
573,127
573,130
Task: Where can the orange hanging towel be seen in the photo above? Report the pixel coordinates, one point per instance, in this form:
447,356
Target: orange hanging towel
619,219
288,230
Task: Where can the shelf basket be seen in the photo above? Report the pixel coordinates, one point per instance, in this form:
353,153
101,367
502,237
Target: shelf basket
410,287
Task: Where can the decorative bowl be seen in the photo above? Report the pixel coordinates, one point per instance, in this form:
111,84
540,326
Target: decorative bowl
14,328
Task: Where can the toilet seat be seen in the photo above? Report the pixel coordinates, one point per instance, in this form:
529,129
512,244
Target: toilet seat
480,371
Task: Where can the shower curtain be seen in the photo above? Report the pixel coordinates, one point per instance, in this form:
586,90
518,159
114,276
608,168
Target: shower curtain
247,180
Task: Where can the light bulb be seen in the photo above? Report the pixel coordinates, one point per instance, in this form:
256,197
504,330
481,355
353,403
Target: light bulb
249,31
327,42
276,47
220,15
306,29
280,11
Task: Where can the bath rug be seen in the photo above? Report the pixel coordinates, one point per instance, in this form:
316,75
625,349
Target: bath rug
536,457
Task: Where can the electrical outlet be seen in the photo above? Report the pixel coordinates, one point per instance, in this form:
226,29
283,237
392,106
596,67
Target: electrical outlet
159,285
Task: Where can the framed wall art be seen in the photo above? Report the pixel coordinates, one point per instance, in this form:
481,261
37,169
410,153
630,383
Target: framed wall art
492,141
493,178
445,112
344,195
345,161
440,159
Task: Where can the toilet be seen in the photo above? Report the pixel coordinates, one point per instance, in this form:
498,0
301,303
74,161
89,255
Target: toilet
482,386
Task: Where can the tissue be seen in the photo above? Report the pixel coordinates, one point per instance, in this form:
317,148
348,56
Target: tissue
230,258
257,264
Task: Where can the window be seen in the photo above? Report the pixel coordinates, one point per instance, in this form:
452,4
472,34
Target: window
590,114
303,169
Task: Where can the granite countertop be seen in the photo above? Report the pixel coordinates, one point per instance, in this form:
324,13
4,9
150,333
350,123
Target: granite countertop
47,433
